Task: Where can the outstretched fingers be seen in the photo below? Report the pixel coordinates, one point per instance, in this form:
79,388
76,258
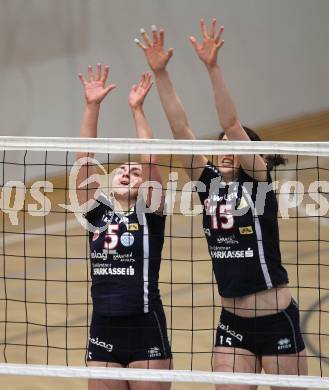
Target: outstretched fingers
90,73
145,37
155,54
142,80
170,52
98,72
98,75
212,28
161,37
216,37
219,34
109,88
157,38
148,82
194,43
155,34
219,45
105,74
82,79
95,88
203,29
140,44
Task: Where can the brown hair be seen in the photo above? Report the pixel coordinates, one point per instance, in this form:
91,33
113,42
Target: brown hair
272,160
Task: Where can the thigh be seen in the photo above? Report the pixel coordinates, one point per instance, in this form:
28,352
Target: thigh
161,364
285,353
100,384
290,364
235,360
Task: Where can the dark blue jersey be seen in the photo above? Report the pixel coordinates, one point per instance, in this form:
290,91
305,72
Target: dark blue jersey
241,227
125,259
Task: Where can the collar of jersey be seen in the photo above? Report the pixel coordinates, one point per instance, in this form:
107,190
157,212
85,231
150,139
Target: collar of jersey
103,198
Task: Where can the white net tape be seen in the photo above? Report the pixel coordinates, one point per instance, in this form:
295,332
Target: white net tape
162,146
166,375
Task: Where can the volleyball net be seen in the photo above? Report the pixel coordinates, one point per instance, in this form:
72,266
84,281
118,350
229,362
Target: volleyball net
45,303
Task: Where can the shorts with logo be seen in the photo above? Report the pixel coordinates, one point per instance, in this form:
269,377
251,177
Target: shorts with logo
274,334
125,339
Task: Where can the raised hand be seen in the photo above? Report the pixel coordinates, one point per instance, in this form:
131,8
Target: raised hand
94,88
208,49
155,54
138,92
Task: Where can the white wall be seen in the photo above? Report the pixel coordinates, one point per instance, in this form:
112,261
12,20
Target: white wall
275,59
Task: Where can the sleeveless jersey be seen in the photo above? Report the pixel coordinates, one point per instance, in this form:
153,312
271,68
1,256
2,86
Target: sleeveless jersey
241,227
125,260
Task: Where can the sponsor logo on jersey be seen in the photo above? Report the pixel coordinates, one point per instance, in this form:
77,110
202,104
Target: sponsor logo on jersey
215,198
127,239
227,197
220,254
99,255
227,240
227,254
232,332
246,230
284,344
108,216
243,204
132,226
130,271
128,257
102,344
249,253
154,352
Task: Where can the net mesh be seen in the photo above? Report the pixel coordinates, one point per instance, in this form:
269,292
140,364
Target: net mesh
45,272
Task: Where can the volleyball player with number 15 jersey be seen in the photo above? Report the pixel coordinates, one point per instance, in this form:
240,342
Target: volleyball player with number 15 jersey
128,326
259,323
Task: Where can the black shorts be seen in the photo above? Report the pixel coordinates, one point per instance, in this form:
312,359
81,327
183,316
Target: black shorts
275,334
128,338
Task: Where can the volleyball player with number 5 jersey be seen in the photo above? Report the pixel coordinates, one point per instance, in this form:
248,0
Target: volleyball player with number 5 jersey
128,326
259,324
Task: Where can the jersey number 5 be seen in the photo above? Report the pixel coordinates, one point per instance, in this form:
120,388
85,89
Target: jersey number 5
225,218
111,237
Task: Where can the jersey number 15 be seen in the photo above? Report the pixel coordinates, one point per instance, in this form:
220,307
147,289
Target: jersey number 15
224,219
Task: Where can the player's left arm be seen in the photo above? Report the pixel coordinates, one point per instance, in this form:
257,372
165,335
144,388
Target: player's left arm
207,51
150,168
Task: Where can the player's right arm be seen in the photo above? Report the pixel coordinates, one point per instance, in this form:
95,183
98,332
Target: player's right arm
95,90
158,59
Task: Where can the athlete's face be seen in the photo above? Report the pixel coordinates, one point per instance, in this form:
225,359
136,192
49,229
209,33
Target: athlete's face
228,165
127,180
